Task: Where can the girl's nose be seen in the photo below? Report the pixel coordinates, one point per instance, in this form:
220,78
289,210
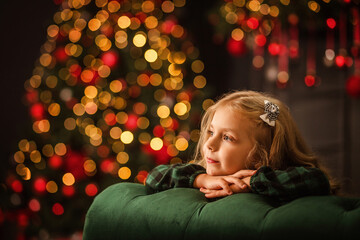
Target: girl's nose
211,144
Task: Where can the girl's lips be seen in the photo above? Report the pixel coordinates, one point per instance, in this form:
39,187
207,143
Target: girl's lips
209,160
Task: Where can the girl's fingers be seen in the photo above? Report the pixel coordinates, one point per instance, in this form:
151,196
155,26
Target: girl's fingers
238,182
216,193
244,173
225,186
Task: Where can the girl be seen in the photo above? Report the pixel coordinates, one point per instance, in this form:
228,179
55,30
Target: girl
248,143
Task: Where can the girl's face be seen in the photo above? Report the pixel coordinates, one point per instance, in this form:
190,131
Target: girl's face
228,142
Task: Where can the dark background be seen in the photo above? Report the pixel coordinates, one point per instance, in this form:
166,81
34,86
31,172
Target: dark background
326,115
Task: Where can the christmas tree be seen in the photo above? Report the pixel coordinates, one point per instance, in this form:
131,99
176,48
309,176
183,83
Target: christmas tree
117,89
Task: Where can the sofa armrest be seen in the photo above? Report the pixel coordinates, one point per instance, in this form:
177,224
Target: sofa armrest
125,211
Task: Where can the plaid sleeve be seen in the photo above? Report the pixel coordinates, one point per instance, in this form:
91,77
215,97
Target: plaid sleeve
289,184
164,177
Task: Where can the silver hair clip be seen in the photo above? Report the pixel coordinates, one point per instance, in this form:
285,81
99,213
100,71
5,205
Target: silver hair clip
271,113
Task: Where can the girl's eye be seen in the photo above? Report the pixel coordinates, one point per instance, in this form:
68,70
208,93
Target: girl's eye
210,132
227,138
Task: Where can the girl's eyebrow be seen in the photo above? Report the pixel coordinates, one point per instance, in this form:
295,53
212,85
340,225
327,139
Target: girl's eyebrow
226,129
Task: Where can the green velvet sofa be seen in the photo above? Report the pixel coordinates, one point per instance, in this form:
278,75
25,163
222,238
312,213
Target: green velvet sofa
125,211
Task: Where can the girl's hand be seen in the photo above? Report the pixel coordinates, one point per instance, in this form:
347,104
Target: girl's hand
221,186
213,193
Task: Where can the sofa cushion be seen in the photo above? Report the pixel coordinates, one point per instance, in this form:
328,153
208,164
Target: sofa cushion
125,211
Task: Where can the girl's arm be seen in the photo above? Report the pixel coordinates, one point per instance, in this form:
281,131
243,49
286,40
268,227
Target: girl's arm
286,185
164,177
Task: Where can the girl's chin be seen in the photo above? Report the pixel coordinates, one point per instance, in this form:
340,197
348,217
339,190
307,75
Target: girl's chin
213,172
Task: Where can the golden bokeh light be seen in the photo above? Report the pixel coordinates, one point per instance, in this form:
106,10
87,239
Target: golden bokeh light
90,92
35,81
54,109
60,149
151,55
115,86
79,109
163,111
197,66
151,22
172,151
68,179
89,166
101,3
113,6
147,6
91,108
180,108
53,30
144,138
115,132
24,145
104,71
122,157
237,34
94,24
70,124
167,6
181,144
207,103
124,173
199,81
35,156
48,150
51,187
45,59
124,22
127,137
139,39
156,143
74,35
19,157
51,81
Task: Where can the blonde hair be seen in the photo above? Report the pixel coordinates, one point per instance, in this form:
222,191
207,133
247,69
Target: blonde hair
278,147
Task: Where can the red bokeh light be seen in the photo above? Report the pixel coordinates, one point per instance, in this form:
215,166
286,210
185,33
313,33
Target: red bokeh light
75,70
58,209
40,185
17,186
110,58
110,119
37,111
34,205
60,54
353,86
331,23
236,48
158,131
260,40
107,166
131,123
68,191
252,23
55,161
91,190
309,80
340,61
167,26
141,177
23,220
274,49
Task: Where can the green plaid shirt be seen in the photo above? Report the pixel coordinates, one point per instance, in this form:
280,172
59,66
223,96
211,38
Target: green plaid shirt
282,185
